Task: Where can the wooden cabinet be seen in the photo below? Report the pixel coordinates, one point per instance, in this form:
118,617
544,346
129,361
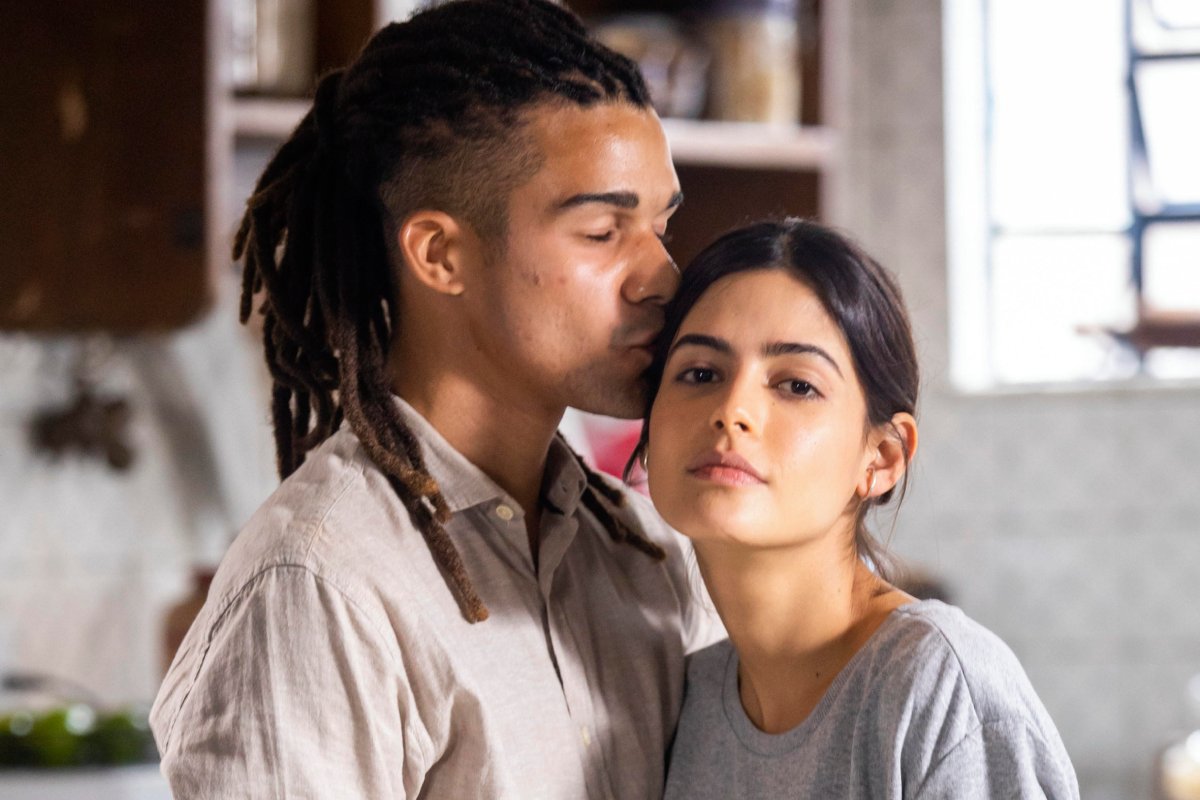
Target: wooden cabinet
106,212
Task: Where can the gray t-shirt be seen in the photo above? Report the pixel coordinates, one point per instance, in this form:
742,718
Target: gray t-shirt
934,706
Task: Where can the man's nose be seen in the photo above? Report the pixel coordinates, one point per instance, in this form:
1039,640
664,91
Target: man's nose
655,277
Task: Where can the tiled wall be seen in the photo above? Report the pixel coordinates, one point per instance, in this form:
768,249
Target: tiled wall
1067,523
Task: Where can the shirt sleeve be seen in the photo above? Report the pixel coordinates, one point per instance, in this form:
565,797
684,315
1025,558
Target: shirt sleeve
293,694
1004,759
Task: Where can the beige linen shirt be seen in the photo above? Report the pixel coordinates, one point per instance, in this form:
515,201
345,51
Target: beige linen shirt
332,660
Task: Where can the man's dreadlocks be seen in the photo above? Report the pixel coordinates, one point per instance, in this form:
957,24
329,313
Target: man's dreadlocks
427,116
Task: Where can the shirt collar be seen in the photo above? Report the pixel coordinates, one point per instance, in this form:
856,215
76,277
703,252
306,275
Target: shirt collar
464,485
565,480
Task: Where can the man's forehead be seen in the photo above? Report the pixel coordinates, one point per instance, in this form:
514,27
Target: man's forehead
610,154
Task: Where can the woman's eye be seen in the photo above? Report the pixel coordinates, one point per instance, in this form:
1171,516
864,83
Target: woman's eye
798,387
697,375
599,237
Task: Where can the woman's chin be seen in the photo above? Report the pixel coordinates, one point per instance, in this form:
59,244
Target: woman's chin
731,523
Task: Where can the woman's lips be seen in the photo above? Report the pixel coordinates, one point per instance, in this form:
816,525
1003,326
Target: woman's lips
726,468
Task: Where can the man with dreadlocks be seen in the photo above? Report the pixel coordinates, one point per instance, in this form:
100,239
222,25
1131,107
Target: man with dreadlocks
461,239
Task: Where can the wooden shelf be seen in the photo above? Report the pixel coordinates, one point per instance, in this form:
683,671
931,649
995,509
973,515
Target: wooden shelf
267,118
750,144
728,144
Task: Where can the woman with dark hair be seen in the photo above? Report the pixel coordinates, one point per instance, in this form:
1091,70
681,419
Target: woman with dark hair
785,410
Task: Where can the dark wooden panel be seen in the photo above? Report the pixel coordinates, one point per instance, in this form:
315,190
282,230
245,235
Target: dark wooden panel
103,165
343,27
717,199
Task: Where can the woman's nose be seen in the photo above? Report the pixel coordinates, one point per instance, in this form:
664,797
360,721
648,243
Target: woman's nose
734,416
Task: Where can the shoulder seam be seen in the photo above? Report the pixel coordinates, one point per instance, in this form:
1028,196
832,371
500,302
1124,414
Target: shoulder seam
979,721
318,524
977,730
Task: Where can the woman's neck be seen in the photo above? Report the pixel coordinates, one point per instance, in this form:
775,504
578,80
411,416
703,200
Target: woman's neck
796,616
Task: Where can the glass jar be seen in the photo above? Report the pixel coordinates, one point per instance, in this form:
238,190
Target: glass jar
755,70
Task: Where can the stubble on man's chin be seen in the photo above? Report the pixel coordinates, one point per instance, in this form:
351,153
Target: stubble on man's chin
617,399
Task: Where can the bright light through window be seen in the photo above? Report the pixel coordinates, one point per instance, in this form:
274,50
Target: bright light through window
1060,140
1073,164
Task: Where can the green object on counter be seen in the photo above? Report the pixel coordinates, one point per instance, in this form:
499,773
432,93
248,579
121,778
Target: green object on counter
59,738
14,747
124,738
75,736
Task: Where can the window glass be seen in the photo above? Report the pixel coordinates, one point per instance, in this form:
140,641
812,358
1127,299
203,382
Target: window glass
1166,26
1172,127
1171,266
1060,132
1053,299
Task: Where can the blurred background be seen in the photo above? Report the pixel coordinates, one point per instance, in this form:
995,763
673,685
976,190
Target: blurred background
1030,170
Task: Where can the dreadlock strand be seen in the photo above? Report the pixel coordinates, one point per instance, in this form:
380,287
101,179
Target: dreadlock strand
281,414
601,498
365,419
446,556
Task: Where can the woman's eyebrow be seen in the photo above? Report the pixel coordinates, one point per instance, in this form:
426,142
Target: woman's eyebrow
785,348
701,340
769,350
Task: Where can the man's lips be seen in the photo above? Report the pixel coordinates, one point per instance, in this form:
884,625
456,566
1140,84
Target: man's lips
725,467
643,341
642,337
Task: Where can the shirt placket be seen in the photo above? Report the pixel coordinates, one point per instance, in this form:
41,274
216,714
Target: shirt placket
557,533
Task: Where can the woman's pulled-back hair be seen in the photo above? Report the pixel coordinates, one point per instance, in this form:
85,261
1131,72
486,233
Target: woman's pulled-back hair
428,116
860,296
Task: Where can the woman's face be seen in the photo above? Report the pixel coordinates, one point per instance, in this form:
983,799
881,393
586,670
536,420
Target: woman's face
758,434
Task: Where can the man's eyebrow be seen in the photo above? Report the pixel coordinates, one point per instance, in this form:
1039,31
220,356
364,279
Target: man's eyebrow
701,340
785,348
628,200
618,199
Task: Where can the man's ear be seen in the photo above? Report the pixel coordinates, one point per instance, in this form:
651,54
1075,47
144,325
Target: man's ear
892,442
438,250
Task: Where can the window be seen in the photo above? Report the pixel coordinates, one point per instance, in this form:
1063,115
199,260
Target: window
1073,163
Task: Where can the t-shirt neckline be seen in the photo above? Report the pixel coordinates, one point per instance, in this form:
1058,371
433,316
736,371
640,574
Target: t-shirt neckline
775,744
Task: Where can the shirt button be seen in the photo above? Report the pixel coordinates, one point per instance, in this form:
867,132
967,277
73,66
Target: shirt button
504,512
587,737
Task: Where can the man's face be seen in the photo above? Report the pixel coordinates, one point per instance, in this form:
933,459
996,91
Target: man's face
570,308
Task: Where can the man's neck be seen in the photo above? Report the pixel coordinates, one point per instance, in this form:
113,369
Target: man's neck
507,439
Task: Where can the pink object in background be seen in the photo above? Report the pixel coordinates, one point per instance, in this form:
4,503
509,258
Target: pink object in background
611,443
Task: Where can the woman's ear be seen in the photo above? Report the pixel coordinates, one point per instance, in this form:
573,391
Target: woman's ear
893,446
438,250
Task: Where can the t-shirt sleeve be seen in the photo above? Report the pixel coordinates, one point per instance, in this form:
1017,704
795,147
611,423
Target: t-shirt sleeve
291,692
1003,759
